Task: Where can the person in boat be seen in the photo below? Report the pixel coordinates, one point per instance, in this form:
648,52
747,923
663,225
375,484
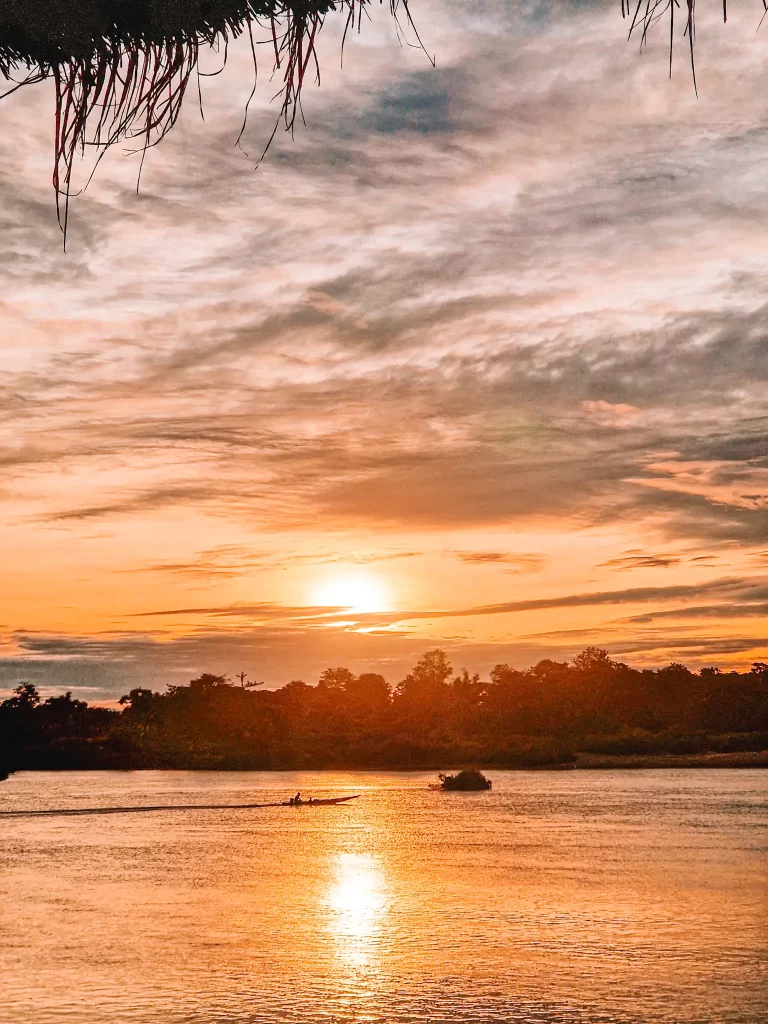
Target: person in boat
296,800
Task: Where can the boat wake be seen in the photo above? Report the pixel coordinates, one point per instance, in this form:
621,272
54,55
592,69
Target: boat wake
78,811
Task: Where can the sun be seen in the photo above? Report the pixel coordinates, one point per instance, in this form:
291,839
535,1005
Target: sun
357,591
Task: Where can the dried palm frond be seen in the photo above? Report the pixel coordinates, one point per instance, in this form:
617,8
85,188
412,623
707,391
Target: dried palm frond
121,68
646,14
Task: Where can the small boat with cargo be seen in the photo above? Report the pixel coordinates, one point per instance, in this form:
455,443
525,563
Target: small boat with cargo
466,781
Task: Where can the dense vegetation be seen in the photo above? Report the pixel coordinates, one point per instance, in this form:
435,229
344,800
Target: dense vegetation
540,716
467,779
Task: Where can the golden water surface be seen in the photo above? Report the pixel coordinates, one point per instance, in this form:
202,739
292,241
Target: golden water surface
622,896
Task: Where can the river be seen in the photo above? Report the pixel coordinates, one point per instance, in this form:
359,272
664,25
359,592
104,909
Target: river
615,896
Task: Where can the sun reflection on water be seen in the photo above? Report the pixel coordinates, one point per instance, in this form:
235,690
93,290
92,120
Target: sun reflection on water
358,904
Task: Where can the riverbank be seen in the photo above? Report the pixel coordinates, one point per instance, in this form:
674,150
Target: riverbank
582,762
740,759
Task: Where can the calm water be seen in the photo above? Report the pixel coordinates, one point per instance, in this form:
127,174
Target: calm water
579,897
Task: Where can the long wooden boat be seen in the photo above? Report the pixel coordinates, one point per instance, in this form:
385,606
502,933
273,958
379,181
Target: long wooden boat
328,801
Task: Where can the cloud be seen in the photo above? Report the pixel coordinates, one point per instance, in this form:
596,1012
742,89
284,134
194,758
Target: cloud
636,560
533,460
258,612
150,500
632,595
467,304
230,561
516,563
609,414
758,609
730,589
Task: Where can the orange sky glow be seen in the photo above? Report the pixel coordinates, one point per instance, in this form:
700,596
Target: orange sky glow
477,361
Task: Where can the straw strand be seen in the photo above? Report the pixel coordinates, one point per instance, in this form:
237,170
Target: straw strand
122,80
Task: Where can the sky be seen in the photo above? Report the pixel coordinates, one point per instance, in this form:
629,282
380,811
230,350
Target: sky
477,360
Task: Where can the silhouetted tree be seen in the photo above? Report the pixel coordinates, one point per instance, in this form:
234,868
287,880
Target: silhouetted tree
25,697
421,698
527,717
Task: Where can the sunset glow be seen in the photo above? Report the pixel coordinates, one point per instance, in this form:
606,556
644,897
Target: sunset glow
383,512
356,592
474,361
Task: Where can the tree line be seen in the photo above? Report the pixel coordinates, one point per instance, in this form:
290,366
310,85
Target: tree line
539,716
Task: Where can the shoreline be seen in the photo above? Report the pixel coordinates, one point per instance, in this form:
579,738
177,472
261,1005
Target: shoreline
736,759
583,762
